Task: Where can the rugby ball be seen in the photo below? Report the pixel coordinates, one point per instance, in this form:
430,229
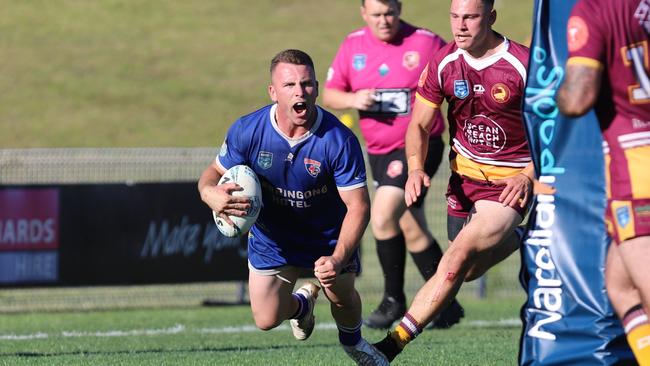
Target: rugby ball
246,178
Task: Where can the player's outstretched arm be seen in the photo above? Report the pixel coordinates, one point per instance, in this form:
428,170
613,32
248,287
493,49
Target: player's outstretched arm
362,99
219,197
354,225
579,90
417,137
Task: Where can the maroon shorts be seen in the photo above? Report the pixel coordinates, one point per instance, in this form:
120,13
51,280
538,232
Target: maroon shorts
463,192
628,219
628,188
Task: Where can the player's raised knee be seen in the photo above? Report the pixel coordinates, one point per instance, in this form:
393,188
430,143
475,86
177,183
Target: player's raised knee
265,322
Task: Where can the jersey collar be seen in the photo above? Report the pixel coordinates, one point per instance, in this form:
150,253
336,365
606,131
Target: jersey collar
482,63
293,141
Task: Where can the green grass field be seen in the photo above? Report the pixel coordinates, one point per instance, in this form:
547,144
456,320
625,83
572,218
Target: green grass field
226,336
120,73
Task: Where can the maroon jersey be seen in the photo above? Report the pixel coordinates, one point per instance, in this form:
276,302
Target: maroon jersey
614,35
484,95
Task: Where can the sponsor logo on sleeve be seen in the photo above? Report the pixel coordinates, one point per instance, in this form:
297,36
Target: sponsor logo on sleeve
577,33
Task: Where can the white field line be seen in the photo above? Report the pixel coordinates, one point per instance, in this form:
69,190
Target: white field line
179,328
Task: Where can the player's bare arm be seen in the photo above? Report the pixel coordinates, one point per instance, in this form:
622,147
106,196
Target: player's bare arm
417,137
354,225
519,188
219,197
579,90
361,100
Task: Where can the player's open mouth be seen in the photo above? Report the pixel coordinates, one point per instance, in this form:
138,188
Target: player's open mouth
300,107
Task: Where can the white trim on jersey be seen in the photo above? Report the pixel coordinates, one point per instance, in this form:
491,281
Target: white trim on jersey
635,139
483,63
605,147
293,141
449,58
352,187
216,159
513,162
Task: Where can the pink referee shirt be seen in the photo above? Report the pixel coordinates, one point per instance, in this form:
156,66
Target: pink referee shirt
393,69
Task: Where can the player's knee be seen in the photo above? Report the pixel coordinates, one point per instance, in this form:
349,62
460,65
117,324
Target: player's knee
265,321
415,234
345,300
342,302
460,260
384,217
381,221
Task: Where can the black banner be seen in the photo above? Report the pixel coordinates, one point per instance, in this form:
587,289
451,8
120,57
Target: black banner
108,234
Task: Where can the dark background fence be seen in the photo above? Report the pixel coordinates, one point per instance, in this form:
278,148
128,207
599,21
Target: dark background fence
128,217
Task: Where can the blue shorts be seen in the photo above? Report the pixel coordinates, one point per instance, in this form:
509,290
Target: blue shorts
264,256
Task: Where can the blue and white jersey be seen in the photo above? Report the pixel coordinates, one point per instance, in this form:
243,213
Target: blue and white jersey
302,211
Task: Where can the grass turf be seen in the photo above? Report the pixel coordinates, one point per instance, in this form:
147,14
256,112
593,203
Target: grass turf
226,336
148,73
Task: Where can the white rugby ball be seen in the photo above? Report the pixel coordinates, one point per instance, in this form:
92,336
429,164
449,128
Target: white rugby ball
246,178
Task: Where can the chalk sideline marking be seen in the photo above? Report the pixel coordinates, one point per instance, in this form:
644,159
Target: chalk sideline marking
180,328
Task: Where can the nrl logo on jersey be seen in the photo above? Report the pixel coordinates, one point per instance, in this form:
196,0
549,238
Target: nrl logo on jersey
265,159
359,61
623,216
312,166
461,89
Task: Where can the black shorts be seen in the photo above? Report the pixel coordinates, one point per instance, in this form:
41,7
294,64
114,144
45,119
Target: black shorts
392,170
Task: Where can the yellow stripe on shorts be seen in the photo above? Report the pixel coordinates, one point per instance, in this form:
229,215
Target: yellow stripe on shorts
638,164
478,171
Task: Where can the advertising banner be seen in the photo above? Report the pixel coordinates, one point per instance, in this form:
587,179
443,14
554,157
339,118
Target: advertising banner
568,319
29,235
100,234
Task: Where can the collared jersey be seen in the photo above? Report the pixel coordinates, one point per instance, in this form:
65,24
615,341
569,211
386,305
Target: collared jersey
487,134
393,69
302,211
